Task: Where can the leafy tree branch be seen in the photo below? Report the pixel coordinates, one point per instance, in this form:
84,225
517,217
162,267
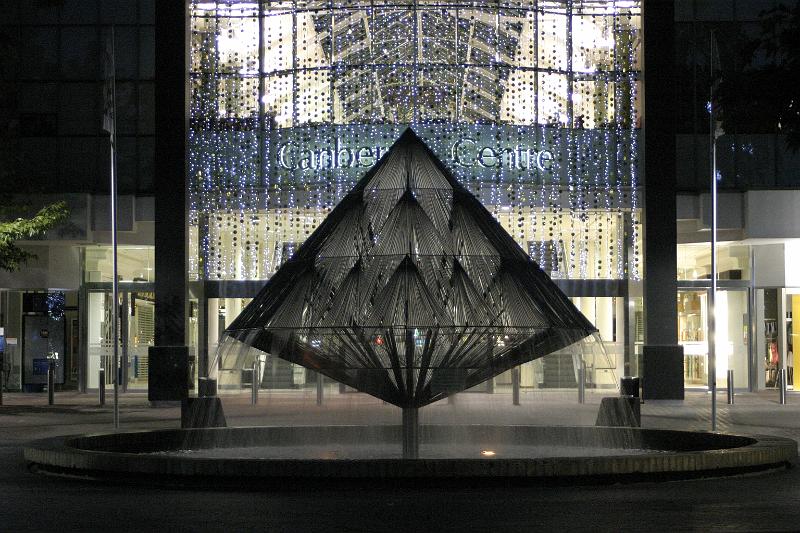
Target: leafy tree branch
12,257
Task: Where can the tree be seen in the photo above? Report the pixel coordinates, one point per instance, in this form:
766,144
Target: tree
766,95
12,257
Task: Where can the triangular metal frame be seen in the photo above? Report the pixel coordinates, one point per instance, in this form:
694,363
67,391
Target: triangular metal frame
409,290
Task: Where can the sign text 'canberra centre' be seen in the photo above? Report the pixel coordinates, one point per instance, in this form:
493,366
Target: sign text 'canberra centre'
465,152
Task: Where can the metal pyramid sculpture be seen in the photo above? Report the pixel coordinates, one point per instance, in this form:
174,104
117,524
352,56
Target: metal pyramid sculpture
409,290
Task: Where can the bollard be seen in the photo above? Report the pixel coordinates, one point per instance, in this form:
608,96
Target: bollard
101,386
515,385
582,384
629,393
730,387
255,383
51,375
782,390
206,387
629,386
319,388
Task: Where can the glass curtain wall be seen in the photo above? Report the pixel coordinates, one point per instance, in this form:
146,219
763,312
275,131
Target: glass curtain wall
533,105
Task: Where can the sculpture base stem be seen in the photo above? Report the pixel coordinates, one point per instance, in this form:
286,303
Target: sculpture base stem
410,433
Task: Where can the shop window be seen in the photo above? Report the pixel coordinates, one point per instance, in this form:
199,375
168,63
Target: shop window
694,262
134,263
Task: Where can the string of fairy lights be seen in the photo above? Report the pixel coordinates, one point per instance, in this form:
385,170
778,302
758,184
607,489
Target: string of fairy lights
532,105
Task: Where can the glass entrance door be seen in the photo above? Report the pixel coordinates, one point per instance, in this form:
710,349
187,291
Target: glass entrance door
732,325
99,349
693,335
139,336
136,335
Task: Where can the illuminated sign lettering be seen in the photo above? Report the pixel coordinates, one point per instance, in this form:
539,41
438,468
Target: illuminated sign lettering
291,156
465,152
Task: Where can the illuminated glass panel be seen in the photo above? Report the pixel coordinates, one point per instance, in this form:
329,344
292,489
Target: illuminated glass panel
533,105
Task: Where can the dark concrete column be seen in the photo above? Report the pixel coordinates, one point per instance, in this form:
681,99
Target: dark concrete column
660,226
171,116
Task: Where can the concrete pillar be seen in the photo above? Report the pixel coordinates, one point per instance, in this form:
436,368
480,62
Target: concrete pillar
660,211
171,128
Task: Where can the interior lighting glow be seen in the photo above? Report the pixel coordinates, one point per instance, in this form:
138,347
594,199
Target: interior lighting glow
338,83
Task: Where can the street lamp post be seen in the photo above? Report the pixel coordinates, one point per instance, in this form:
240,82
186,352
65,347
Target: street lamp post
712,297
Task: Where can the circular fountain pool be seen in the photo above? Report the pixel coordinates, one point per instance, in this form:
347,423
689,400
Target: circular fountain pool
247,455
367,451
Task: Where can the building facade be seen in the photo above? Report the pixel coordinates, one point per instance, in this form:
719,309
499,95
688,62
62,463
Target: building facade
52,147
534,107
758,178
243,123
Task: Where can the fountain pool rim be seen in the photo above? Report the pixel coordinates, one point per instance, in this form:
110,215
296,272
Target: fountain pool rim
130,455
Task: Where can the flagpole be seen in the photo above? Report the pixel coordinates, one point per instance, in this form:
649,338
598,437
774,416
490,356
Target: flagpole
712,297
112,128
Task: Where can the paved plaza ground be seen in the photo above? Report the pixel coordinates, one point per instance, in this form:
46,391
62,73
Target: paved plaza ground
33,502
